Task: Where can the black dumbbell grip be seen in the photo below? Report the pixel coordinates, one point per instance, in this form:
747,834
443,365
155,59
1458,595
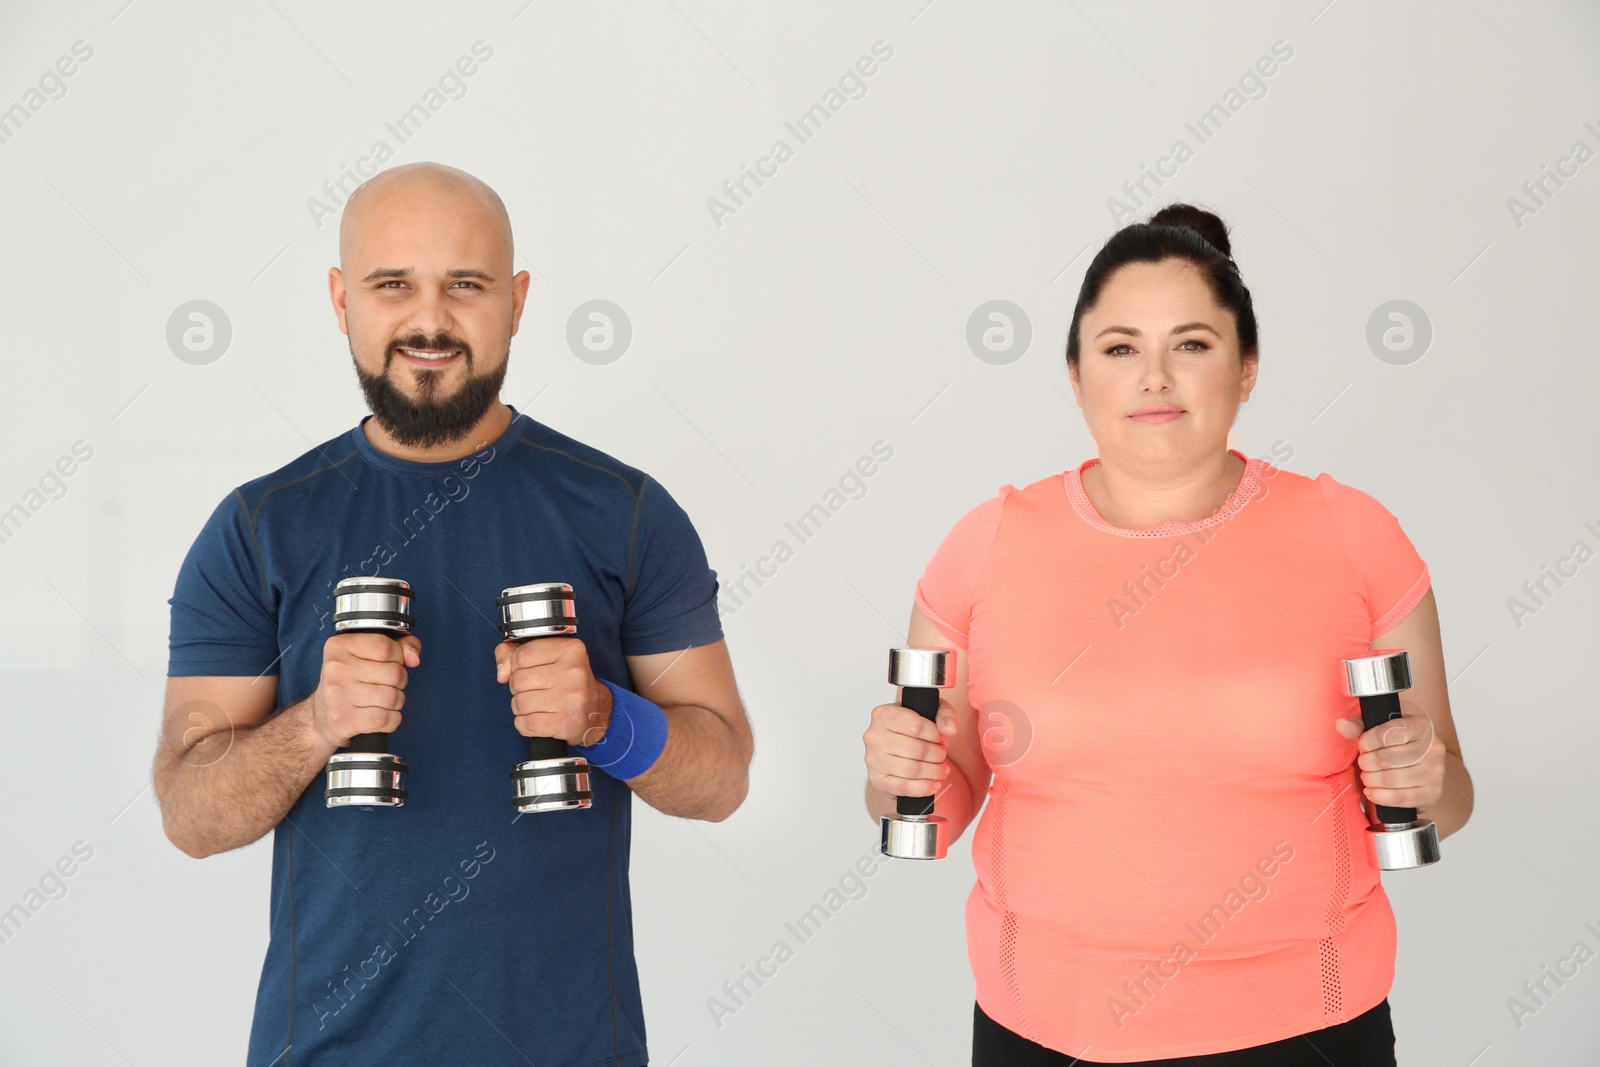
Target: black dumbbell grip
1375,711
545,747
370,742
924,700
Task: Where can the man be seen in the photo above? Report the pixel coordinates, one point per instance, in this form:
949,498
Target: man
450,929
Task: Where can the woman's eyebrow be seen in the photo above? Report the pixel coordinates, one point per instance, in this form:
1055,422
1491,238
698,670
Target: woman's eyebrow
1176,329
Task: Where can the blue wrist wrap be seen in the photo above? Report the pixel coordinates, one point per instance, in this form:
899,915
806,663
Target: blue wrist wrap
633,739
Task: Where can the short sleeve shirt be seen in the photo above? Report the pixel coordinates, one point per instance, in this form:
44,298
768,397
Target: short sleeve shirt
449,930
1170,862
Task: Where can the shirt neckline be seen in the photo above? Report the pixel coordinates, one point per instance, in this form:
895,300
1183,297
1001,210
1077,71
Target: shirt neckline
396,465
1242,494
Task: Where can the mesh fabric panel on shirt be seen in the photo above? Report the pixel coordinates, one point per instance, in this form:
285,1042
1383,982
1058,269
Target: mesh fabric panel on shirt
1242,494
1332,990
1008,921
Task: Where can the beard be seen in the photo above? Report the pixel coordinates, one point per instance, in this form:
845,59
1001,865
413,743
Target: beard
429,420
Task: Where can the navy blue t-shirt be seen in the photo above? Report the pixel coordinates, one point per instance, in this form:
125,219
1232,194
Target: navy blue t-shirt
452,929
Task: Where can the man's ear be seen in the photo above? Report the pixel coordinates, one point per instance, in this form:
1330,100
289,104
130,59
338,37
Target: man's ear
336,293
519,296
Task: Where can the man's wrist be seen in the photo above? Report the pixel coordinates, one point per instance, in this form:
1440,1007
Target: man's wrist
598,721
636,734
303,718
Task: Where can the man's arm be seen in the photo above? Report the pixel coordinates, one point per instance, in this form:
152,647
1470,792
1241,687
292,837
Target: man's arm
227,770
704,770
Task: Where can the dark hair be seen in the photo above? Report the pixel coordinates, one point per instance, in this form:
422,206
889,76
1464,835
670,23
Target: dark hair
1177,231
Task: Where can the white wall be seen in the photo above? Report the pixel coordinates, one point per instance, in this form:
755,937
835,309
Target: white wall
768,353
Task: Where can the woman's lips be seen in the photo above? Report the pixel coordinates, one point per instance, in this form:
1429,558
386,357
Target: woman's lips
1164,413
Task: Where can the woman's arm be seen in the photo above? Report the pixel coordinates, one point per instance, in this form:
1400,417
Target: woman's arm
961,797
1450,805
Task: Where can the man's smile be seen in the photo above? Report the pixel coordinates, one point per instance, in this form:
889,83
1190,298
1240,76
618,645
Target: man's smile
422,358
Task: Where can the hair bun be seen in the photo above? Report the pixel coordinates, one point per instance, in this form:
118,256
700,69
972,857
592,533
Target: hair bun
1203,222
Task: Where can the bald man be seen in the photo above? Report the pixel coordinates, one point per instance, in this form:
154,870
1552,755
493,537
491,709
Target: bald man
450,929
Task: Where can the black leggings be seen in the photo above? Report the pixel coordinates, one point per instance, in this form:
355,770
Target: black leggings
1365,1041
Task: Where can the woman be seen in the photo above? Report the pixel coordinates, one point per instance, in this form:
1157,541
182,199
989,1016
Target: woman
1171,868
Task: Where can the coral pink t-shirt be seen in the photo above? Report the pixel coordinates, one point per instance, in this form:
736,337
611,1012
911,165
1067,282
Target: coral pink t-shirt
1171,859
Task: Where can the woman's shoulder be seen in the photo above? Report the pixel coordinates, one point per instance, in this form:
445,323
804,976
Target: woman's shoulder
1010,498
1321,487
1358,516
979,523
1291,487
1346,501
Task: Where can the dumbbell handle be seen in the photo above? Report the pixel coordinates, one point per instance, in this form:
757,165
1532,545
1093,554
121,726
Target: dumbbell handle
369,742
544,747
1375,711
924,700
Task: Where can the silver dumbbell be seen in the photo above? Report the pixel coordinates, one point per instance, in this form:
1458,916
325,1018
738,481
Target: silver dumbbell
369,775
551,779
914,832
1396,839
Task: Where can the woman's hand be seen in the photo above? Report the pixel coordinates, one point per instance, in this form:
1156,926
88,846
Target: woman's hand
906,754
1401,761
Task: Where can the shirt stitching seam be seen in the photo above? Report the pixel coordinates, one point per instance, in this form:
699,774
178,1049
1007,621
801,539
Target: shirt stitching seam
983,565
255,541
633,540
1338,527
260,505
585,463
288,1040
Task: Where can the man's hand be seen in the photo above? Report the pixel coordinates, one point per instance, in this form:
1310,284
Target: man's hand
553,691
363,683
1401,761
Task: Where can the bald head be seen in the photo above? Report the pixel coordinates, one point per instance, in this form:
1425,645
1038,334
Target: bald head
397,199
426,293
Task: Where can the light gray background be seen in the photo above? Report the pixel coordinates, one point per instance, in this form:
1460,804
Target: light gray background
768,354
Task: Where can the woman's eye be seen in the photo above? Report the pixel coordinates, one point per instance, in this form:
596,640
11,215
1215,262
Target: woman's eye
1112,351
1192,341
